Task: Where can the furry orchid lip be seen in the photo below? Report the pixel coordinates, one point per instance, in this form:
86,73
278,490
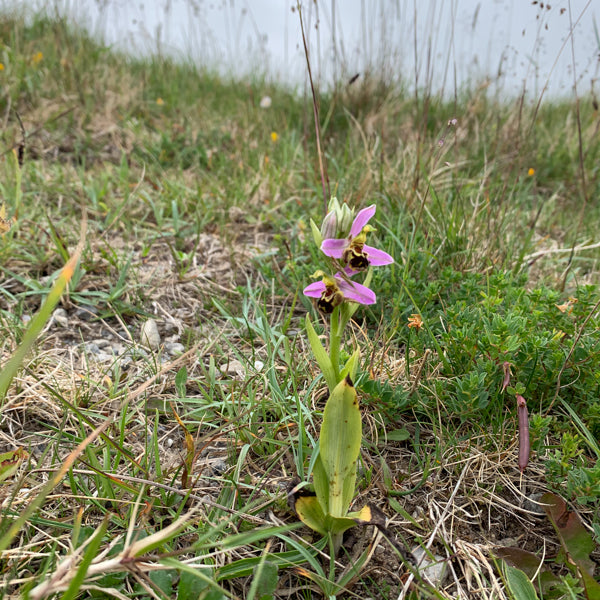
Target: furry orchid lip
332,291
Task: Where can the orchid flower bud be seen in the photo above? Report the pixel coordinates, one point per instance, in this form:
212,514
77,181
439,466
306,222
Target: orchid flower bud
329,225
338,220
345,219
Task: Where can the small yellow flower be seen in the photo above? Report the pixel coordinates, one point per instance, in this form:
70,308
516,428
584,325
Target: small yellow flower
531,172
160,101
415,321
274,136
37,58
1,67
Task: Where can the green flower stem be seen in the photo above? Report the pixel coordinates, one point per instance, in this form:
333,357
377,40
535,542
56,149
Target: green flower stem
335,543
335,342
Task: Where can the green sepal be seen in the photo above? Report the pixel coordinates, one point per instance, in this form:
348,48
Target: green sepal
321,355
316,233
339,445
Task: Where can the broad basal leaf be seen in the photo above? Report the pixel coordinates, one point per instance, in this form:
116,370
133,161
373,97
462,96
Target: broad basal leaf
339,445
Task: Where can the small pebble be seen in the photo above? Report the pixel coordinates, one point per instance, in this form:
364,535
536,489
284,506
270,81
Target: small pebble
86,313
219,466
174,348
533,504
91,348
101,342
103,357
434,570
149,335
60,317
125,361
118,349
233,368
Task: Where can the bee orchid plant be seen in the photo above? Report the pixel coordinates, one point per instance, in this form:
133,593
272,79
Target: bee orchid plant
342,239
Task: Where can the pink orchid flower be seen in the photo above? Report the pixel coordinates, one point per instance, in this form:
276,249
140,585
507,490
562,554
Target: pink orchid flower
332,291
352,250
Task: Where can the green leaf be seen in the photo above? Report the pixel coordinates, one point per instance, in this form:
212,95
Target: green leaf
339,445
575,540
10,461
245,566
519,585
180,380
525,561
351,366
266,577
337,525
257,535
398,435
211,591
189,586
365,516
163,580
321,483
212,595
321,355
309,511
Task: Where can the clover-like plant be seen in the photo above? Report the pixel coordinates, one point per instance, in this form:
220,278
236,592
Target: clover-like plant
342,239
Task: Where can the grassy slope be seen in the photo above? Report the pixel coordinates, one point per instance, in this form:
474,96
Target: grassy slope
197,216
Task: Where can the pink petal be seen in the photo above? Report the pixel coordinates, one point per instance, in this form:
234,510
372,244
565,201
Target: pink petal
357,292
377,258
362,218
315,290
334,248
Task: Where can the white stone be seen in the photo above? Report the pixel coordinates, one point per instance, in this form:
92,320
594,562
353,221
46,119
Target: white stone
60,317
434,570
149,335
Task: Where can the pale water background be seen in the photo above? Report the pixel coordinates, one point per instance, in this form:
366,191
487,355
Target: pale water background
510,45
